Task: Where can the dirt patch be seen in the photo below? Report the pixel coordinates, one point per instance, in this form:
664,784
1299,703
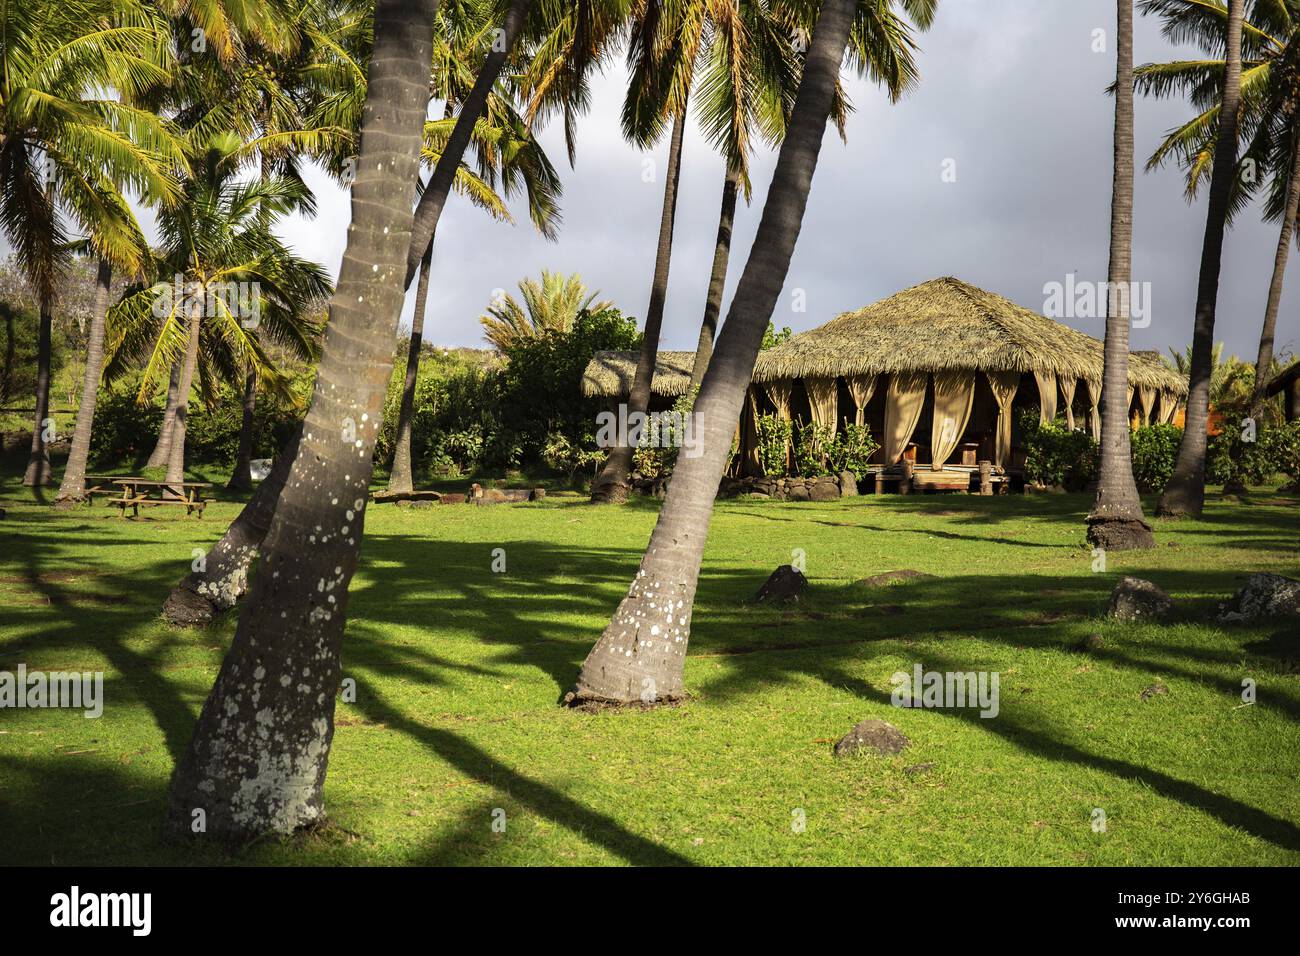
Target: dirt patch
591,706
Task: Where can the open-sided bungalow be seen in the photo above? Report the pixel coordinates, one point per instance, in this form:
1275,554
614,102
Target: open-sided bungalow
936,372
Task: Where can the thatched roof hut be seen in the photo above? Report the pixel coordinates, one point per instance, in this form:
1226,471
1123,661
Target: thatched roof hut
950,324
943,358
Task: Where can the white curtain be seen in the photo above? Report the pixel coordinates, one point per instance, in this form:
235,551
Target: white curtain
861,387
1093,387
953,394
902,411
823,400
1147,400
1068,385
1004,385
1046,395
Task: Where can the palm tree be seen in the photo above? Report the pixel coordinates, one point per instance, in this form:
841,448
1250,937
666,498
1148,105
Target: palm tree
225,280
641,652
744,53
550,305
256,763
1117,522
507,152
1269,82
1185,492
68,150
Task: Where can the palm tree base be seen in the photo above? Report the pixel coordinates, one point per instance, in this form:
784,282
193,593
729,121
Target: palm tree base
611,493
185,607
1115,533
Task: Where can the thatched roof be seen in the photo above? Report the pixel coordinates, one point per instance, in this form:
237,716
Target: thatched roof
941,324
611,373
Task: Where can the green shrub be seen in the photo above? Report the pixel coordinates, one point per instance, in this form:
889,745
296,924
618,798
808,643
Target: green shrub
813,445
1155,449
774,434
1055,455
1233,456
851,450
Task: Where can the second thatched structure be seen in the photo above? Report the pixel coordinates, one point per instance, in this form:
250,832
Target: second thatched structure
935,372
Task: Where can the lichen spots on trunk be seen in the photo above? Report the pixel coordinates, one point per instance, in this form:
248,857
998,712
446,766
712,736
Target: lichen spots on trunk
258,758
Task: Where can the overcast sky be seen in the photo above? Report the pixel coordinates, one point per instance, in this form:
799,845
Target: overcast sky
1011,90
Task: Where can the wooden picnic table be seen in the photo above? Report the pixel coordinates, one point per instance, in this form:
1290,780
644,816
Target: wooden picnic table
103,485
140,491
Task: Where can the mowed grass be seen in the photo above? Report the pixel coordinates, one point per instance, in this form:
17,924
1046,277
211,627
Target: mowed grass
458,672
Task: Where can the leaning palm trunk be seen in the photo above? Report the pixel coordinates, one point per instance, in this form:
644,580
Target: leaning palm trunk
1117,522
241,479
717,279
1185,493
162,449
73,487
222,577
38,463
257,761
611,486
1264,363
434,199
176,455
400,478
640,655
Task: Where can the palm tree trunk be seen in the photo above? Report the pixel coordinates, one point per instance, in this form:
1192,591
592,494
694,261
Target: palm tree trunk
431,204
73,487
38,463
717,279
1185,493
641,653
222,578
162,449
611,486
1264,363
399,479
176,454
241,479
1117,522
257,761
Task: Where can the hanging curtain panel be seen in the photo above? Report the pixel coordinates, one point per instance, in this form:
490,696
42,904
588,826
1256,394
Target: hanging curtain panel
1129,408
1147,399
1004,385
861,387
954,393
1046,395
779,392
823,399
1093,387
749,461
1068,386
902,411
1168,407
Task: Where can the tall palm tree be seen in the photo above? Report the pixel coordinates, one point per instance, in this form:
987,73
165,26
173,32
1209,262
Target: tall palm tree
1117,522
256,763
71,142
1185,492
224,279
1269,123
129,250
549,305
641,652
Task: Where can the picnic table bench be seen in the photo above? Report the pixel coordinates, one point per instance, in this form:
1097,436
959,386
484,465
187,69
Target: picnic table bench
103,485
138,491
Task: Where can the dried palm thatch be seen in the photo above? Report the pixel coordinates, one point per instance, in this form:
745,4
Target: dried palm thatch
938,325
611,373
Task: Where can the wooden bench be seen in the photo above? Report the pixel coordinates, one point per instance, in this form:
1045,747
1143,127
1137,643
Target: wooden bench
138,491
103,485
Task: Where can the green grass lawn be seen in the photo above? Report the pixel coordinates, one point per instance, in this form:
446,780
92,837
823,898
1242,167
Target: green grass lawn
458,672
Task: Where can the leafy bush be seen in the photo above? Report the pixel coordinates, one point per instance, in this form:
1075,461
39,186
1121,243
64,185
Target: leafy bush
1232,456
852,449
813,445
1055,455
1155,449
774,434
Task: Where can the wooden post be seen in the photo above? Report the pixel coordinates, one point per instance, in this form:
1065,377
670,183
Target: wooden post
880,481
986,477
905,486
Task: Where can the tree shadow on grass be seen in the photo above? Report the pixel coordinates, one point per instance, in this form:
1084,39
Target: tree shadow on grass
541,799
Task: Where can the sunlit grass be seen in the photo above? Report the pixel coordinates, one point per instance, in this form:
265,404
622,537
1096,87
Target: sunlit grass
459,671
